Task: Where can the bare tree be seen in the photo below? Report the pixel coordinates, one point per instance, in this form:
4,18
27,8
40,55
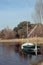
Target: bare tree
38,13
38,17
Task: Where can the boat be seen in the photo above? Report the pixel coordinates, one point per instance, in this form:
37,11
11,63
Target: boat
30,47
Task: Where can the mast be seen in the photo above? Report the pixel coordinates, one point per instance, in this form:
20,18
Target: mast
27,31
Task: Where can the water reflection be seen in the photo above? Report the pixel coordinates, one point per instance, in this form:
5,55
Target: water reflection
12,54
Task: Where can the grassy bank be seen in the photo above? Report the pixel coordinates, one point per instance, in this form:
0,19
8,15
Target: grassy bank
33,40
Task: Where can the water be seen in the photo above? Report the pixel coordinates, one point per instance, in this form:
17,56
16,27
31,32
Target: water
11,56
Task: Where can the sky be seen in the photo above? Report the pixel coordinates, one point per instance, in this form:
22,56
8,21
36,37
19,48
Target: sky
12,12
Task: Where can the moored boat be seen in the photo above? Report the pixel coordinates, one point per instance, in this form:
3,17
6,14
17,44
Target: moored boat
30,48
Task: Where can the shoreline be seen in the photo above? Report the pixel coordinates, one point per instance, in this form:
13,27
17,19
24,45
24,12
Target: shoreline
39,63
38,40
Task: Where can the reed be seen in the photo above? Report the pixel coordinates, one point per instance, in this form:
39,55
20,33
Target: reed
38,40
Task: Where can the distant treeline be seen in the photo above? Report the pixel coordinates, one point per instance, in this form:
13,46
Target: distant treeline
21,31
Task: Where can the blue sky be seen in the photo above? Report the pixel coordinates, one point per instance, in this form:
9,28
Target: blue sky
12,12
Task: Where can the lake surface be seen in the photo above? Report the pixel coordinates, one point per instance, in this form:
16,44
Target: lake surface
11,56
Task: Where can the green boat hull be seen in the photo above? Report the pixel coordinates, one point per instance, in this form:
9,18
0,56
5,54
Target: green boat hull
30,49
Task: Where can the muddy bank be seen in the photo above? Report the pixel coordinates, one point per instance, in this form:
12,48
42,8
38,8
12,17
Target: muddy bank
39,63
